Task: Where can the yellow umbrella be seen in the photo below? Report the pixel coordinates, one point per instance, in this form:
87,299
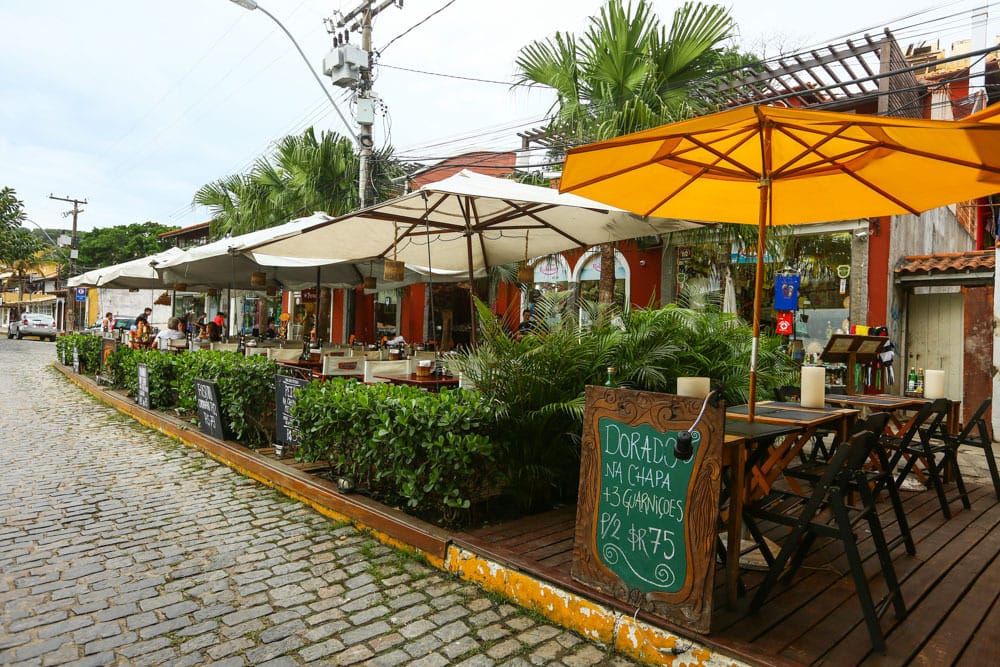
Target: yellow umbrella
767,166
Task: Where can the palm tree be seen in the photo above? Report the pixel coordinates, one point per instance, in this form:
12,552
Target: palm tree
306,173
629,72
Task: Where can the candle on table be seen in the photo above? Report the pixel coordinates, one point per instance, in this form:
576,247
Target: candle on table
813,394
695,387
933,383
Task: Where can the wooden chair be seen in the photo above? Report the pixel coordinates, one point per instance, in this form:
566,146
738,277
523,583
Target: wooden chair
256,351
977,433
334,366
825,513
878,475
937,452
225,347
374,368
283,354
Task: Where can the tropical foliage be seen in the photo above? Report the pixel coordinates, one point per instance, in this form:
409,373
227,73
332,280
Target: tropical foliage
305,173
537,381
630,72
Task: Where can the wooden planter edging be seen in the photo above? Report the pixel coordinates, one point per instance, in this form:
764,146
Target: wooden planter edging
586,612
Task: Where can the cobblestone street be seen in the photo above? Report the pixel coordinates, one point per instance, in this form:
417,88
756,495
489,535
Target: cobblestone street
121,546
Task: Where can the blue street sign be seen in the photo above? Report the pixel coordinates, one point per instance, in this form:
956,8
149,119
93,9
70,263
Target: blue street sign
81,293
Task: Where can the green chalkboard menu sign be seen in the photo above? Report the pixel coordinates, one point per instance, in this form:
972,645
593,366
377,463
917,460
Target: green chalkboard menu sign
646,516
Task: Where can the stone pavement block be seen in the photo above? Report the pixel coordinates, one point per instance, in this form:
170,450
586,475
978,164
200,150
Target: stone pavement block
452,631
459,647
477,661
390,659
276,632
504,649
417,628
64,627
265,652
432,660
588,654
321,650
354,655
108,643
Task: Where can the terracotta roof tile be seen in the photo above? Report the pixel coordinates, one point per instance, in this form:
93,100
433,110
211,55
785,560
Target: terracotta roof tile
953,262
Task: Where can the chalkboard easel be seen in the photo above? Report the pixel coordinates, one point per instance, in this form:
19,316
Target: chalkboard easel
286,435
209,414
646,518
142,392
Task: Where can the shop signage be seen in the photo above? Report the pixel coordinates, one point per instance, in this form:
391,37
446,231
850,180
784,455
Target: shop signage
142,394
309,295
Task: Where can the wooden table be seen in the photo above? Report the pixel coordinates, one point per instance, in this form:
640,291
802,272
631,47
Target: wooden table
892,404
757,452
301,368
430,382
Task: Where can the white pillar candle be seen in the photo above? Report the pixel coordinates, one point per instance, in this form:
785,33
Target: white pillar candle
933,383
813,387
695,387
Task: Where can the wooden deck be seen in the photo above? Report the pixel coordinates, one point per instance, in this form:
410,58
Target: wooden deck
951,588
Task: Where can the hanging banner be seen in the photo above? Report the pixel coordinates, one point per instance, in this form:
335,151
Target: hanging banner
785,324
786,292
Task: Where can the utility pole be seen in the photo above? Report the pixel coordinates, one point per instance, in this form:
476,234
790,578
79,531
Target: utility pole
69,307
362,16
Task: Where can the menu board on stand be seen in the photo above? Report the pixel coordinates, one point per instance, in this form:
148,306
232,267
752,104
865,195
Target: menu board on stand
648,511
851,351
286,434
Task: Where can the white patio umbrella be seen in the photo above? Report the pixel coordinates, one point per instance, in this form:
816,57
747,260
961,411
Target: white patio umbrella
133,274
228,263
468,223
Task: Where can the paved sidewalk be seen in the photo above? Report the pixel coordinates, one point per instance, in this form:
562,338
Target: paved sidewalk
120,546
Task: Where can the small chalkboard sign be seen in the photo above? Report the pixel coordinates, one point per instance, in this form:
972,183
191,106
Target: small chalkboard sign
76,360
286,434
142,395
209,415
646,516
108,345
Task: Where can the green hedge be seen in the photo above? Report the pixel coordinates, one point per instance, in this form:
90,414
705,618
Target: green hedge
430,451
246,386
89,348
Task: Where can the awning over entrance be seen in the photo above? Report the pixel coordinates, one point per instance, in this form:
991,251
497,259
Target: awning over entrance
948,269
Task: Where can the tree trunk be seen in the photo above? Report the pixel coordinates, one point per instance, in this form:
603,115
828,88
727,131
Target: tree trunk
606,287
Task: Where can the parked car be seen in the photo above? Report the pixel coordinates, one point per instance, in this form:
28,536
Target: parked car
32,324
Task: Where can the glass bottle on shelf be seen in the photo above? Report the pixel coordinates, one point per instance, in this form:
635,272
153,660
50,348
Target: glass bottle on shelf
920,381
612,372
911,381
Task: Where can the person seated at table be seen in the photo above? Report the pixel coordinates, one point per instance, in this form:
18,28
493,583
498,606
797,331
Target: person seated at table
269,330
174,331
213,332
142,334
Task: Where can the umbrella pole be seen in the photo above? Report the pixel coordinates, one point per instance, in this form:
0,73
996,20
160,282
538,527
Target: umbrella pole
758,292
472,294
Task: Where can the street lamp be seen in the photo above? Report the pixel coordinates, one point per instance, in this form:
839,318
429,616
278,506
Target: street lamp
252,5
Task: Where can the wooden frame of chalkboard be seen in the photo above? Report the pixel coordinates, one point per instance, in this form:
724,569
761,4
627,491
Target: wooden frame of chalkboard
285,434
646,521
209,416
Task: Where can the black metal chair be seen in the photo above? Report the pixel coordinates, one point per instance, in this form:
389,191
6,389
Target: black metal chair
977,433
825,513
877,475
938,452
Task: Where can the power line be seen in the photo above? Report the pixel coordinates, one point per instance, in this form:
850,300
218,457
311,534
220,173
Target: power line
416,25
447,76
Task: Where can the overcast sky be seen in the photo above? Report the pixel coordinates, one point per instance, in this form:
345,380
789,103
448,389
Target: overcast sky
135,104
